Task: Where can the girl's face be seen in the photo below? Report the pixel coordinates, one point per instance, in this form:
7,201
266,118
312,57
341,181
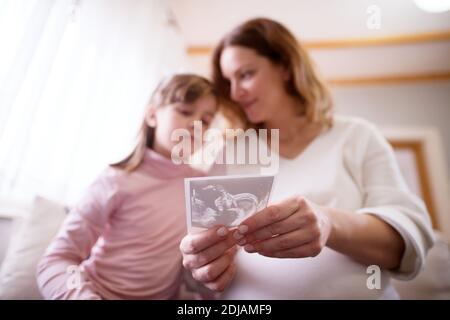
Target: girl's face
180,116
256,83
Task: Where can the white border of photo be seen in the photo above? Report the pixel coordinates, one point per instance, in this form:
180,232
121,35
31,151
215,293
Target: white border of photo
187,189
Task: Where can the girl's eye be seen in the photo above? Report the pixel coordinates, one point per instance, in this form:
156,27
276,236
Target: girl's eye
184,112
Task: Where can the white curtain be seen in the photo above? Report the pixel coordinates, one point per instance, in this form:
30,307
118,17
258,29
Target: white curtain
74,80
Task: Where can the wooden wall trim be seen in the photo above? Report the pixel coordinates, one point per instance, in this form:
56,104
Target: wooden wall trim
417,148
390,79
380,41
354,42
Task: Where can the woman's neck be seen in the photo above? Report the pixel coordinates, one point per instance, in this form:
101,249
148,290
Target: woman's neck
290,122
295,131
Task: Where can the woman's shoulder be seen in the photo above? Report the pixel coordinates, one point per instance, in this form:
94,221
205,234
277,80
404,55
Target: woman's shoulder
354,132
353,128
345,122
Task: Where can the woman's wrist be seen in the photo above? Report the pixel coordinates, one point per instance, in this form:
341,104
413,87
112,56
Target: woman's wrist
345,230
335,230
364,237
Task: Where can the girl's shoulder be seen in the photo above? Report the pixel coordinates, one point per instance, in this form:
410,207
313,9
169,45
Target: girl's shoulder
110,178
104,187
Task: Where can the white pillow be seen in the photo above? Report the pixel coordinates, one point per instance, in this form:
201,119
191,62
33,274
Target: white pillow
27,245
433,282
14,206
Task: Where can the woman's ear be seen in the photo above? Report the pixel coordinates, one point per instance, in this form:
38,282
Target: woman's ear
285,73
150,117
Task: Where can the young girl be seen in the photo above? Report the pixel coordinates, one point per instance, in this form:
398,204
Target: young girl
122,240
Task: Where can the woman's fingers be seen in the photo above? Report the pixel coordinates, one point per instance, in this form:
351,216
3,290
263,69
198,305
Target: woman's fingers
194,243
193,261
224,280
209,256
310,249
285,241
270,215
293,222
233,250
213,270
297,229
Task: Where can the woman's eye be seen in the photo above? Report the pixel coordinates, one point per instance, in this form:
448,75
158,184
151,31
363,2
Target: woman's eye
246,74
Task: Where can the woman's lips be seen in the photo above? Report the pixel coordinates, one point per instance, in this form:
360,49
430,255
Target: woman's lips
247,105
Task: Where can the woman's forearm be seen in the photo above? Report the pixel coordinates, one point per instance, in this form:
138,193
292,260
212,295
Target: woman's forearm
365,238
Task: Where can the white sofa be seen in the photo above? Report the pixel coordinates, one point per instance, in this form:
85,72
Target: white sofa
24,238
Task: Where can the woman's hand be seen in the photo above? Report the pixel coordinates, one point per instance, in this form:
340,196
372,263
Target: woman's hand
209,256
293,228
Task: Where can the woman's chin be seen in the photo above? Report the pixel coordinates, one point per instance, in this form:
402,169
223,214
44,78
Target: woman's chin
254,118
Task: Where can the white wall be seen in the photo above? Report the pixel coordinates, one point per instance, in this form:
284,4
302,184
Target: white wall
204,22
421,104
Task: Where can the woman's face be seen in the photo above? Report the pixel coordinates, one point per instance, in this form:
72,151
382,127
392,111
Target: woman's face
256,83
180,116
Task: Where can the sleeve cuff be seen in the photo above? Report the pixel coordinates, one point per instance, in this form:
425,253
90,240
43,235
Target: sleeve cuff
415,245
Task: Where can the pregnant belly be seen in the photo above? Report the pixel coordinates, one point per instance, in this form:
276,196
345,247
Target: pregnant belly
330,275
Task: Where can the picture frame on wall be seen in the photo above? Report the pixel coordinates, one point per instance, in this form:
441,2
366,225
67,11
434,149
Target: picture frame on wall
421,158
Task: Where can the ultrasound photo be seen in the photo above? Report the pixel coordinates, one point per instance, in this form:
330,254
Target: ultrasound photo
226,200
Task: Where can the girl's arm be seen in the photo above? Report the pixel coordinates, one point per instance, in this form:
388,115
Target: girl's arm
59,275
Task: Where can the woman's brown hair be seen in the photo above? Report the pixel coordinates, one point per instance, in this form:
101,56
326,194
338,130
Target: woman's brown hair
272,40
180,88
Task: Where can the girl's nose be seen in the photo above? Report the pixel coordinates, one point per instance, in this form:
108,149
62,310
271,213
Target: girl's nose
191,125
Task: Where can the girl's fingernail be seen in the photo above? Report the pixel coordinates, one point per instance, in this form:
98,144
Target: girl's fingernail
242,229
242,242
249,248
237,235
221,232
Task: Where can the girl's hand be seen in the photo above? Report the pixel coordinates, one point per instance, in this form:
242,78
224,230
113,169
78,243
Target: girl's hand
209,256
293,228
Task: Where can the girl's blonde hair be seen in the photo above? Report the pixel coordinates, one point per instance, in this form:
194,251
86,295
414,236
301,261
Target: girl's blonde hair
180,88
272,40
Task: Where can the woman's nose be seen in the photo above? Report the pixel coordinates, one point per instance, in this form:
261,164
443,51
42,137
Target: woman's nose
236,92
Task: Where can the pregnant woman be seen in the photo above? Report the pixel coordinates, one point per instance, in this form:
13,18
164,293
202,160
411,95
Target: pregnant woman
339,205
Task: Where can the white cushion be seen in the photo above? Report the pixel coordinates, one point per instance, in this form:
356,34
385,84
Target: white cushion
27,245
8,227
433,282
14,207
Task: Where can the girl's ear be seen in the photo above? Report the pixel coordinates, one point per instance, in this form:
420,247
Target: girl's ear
150,117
